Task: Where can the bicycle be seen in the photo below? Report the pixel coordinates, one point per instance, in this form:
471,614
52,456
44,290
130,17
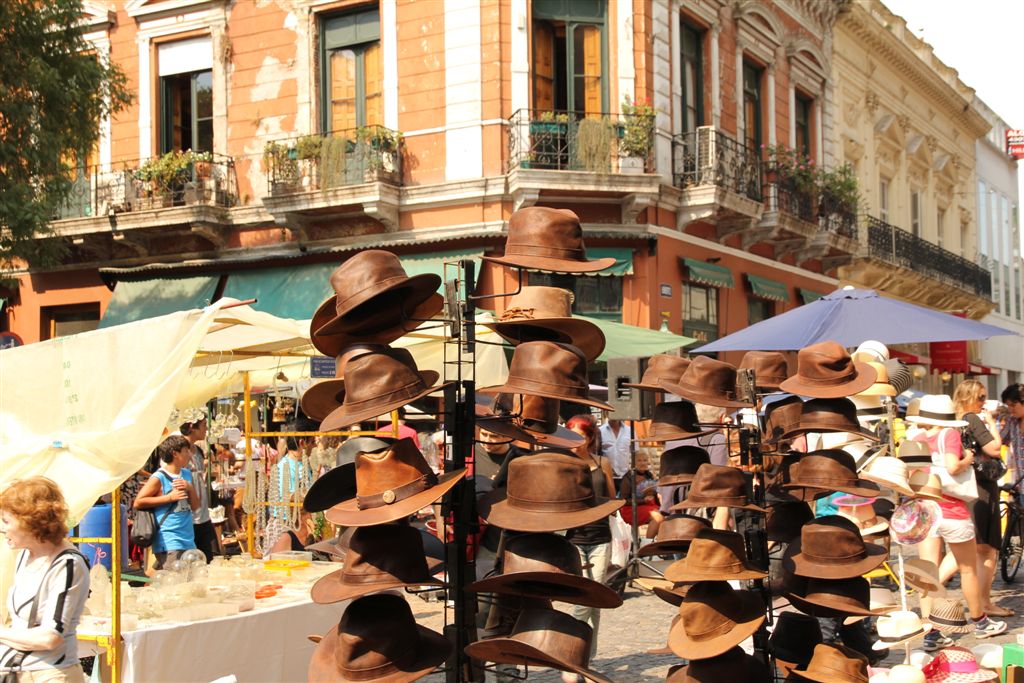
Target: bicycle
1011,549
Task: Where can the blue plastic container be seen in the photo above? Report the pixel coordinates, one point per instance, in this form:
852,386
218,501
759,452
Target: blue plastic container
96,524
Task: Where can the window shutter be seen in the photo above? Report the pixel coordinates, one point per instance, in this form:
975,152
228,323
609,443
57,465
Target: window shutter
543,67
343,90
374,85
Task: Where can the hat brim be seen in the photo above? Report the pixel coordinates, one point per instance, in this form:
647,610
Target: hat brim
347,513
673,596
671,433
575,590
864,488
554,265
583,334
690,504
668,547
514,389
819,608
321,398
675,479
334,486
937,497
694,394
877,528
893,484
645,387
342,417
917,419
688,648
510,518
865,376
509,426
433,650
331,588
879,389
678,572
922,579
886,644
819,429
508,650
793,560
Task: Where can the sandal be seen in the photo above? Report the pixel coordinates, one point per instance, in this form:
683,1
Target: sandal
995,611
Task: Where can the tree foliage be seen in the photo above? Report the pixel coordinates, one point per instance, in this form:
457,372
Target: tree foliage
54,91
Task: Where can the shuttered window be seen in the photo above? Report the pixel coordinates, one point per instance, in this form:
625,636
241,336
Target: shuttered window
353,73
569,56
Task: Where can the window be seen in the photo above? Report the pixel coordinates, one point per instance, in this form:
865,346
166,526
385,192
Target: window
883,199
693,77
61,321
983,245
915,212
352,76
759,309
569,60
595,296
700,312
803,123
752,106
186,112
940,227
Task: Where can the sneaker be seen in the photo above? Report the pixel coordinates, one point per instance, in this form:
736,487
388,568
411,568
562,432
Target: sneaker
988,627
933,640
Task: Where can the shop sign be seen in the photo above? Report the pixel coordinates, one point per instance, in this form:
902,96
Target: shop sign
9,340
666,290
1015,143
948,356
322,367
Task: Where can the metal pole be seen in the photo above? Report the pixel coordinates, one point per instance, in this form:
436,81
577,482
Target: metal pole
250,531
114,649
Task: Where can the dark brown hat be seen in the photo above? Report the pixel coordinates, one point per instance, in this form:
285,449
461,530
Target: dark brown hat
326,395
708,381
825,370
672,420
770,368
377,382
542,238
732,665
829,469
390,485
780,417
543,368
831,547
794,638
377,640
717,486
542,638
546,566
663,366
674,535
834,597
374,301
526,418
829,415
331,488
714,555
786,519
378,558
549,491
714,618
673,596
680,464
834,664
545,314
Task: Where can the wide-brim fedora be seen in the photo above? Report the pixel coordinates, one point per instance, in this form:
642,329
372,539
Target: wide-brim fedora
714,618
673,596
545,314
794,638
542,638
869,408
899,627
828,416
546,566
549,491
881,386
785,520
914,453
679,465
544,368
675,534
770,368
377,639
335,344
780,417
825,370
833,664
327,394
661,366
829,469
674,421
937,410
832,547
543,238
331,488
717,486
833,597
881,601
708,381
530,419
714,555
923,575
378,558
732,665
392,484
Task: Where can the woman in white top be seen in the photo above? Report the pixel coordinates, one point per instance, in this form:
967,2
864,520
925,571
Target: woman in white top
51,584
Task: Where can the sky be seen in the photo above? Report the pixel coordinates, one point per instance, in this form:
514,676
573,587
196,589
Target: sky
981,39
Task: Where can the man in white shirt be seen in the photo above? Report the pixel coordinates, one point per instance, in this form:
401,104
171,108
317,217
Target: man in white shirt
615,446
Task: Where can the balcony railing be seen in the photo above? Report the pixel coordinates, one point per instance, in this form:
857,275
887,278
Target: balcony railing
575,141
708,156
899,247
142,185
338,159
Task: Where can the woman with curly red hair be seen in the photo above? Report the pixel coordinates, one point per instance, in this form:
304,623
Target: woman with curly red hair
51,584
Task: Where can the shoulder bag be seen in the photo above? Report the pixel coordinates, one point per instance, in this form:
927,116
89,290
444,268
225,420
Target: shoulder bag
145,526
962,485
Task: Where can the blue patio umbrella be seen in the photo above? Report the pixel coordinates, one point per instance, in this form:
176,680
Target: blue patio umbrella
851,316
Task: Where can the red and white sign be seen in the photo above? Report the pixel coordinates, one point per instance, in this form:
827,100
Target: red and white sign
1015,143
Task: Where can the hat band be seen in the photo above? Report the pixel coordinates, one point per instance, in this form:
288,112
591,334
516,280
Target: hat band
408,391
366,579
730,568
935,619
396,665
714,632
828,381
525,249
945,417
871,411
834,559
935,666
717,501
395,495
532,386
572,505
717,392
904,636
823,482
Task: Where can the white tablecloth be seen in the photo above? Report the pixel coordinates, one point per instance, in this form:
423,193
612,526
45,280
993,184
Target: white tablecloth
262,645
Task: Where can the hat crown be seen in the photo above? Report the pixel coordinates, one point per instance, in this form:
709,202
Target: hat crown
839,663
672,417
558,367
898,625
377,377
832,540
854,591
782,416
377,635
541,553
539,413
383,553
830,466
557,634
664,366
682,460
770,367
709,377
794,637
786,520
400,465
549,482
536,302
364,273
681,528
543,231
734,664
838,414
825,363
718,483
937,406
717,549
711,609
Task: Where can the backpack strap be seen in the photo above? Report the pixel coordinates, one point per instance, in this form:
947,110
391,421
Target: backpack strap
171,505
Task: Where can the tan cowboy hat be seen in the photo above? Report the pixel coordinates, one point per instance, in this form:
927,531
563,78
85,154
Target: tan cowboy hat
825,370
545,314
542,238
881,387
714,555
713,619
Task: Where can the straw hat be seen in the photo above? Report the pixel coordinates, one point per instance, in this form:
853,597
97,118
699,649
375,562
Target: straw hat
713,619
545,314
889,472
956,665
869,407
936,410
899,627
923,575
914,520
926,484
947,616
864,517
825,370
871,350
989,656
881,387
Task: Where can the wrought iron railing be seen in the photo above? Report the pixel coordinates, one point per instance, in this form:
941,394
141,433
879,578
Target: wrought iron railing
837,218
899,247
786,197
708,156
181,179
577,141
321,162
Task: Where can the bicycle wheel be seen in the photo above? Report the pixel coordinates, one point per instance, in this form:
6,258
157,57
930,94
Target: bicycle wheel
1012,550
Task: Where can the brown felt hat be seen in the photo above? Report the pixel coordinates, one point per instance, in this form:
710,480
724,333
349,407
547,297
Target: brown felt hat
780,417
545,314
714,618
673,420
327,395
832,547
825,370
829,415
708,381
546,566
549,491
673,596
377,640
834,597
543,368
381,557
663,366
390,485
717,486
377,382
834,664
674,535
526,418
714,555
794,638
829,469
542,238
679,465
732,665
332,487
786,519
374,301
770,368
542,638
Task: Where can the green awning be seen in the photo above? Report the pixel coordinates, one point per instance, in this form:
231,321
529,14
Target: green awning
288,292
764,288
419,264
708,273
624,341
623,260
151,298
808,296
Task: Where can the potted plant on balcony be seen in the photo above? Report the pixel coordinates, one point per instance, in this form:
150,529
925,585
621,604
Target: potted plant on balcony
637,135
307,154
379,148
165,176
551,123
839,199
282,167
334,156
591,146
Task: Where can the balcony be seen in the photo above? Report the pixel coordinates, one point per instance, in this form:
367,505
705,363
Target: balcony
573,154
316,178
720,178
